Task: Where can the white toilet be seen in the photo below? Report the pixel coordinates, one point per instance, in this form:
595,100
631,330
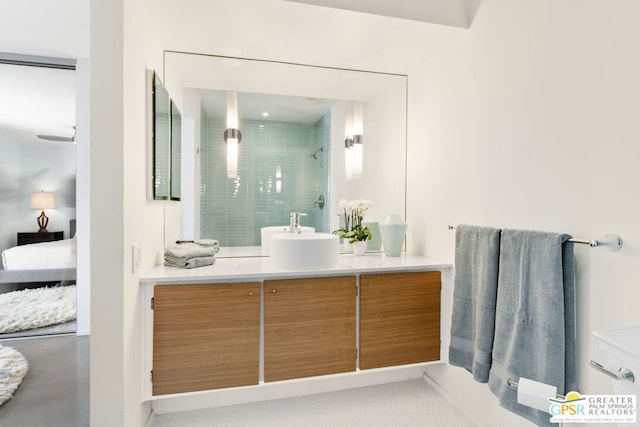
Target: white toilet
622,350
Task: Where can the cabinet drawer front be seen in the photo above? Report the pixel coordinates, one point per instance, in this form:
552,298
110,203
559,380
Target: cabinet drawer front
399,319
309,327
205,337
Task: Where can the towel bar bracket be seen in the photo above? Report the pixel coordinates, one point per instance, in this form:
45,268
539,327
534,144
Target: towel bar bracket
612,241
623,374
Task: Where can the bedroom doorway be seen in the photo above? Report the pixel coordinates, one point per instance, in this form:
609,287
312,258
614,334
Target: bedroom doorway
38,190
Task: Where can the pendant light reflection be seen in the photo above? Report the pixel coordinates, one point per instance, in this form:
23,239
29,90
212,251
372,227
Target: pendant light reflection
353,141
232,135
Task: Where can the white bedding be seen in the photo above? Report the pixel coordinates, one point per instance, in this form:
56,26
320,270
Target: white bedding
41,256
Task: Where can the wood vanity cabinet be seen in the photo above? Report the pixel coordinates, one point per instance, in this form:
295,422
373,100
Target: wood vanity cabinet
205,337
309,327
399,318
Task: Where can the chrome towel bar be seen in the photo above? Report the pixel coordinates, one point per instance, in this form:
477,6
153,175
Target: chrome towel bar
611,241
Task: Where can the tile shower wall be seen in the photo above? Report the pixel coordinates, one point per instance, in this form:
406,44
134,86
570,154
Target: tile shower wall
277,174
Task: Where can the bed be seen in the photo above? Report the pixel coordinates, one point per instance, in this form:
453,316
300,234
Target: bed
40,262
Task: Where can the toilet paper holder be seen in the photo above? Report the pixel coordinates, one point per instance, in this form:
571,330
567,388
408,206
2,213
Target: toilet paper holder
514,384
623,374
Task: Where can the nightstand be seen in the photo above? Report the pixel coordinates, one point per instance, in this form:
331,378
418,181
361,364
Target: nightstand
27,238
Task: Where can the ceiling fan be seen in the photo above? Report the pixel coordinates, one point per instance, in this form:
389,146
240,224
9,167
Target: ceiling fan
59,138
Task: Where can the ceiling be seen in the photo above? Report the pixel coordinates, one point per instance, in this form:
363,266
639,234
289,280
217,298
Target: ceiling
253,106
39,100
338,35
34,101
288,31
458,13
54,28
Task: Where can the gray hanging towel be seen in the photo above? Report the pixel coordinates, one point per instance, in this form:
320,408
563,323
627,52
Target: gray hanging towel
535,333
474,299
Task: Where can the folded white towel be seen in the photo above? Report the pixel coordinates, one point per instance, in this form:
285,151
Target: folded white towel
208,242
190,263
202,242
187,251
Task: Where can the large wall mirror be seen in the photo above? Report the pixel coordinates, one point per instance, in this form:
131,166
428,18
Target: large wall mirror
293,120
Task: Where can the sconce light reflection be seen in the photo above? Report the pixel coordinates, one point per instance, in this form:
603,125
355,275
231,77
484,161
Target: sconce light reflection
278,179
232,135
353,142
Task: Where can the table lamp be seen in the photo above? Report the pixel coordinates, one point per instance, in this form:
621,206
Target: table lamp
43,200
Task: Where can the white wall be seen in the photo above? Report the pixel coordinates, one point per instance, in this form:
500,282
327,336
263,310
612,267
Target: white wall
529,120
83,192
106,215
122,49
525,120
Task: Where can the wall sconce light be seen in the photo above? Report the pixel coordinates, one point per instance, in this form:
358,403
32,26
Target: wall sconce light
353,142
232,135
43,200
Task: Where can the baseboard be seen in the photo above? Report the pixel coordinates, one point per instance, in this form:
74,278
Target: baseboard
284,389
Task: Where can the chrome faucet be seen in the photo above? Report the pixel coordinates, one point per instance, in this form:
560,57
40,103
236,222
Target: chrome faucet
294,222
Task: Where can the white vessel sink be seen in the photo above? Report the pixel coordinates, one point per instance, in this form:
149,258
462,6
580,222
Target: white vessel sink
267,232
307,251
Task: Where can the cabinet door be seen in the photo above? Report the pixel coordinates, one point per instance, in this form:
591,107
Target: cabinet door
399,319
205,337
309,327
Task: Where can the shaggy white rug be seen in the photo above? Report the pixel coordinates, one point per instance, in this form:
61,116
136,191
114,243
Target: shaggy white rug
13,368
36,308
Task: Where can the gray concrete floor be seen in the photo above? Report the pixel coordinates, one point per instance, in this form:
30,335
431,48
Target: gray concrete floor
55,392
58,329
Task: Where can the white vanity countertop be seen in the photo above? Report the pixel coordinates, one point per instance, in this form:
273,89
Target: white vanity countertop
256,268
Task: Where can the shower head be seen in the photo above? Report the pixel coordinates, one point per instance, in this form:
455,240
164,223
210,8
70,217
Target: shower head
315,153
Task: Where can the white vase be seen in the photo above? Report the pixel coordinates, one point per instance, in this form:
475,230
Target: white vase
359,247
393,232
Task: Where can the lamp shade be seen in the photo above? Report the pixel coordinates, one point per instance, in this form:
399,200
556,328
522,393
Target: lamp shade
43,200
